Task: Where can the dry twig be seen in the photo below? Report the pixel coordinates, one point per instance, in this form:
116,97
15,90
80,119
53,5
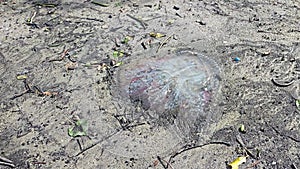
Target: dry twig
164,42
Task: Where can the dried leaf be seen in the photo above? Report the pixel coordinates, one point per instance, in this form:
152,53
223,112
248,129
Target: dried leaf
103,67
71,66
238,161
21,77
47,93
156,35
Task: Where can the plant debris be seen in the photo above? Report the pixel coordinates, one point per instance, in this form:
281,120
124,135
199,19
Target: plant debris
156,35
298,104
97,2
117,54
242,129
21,77
6,162
71,66
164,42
126,40
138,20
238,161
79,129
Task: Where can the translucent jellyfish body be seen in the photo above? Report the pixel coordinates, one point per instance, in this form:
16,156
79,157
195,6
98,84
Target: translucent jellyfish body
175,89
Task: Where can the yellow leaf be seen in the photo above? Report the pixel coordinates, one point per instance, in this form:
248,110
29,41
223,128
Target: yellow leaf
238,161
156,35
21,77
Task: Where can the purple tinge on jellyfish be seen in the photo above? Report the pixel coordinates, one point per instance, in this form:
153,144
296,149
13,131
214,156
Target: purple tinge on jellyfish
184,81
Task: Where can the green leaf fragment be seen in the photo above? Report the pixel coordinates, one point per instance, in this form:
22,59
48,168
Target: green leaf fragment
117,54
118,64
126,39
118,4
79,129
242,129
87,65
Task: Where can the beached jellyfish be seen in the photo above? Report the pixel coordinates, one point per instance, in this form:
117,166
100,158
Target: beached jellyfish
174,89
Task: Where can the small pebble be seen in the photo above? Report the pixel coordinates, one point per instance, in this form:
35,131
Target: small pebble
104,26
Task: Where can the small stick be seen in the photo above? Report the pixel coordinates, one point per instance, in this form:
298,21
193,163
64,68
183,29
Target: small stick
63,55
161,162
20,94
294,166
283,135
254,164
143,45
184,149
38,90
7,164
282,84
168,164
100,4
80,146
97,142
161,45
22,134
28,90
5,159
241,142
138,20
38,162
31,19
